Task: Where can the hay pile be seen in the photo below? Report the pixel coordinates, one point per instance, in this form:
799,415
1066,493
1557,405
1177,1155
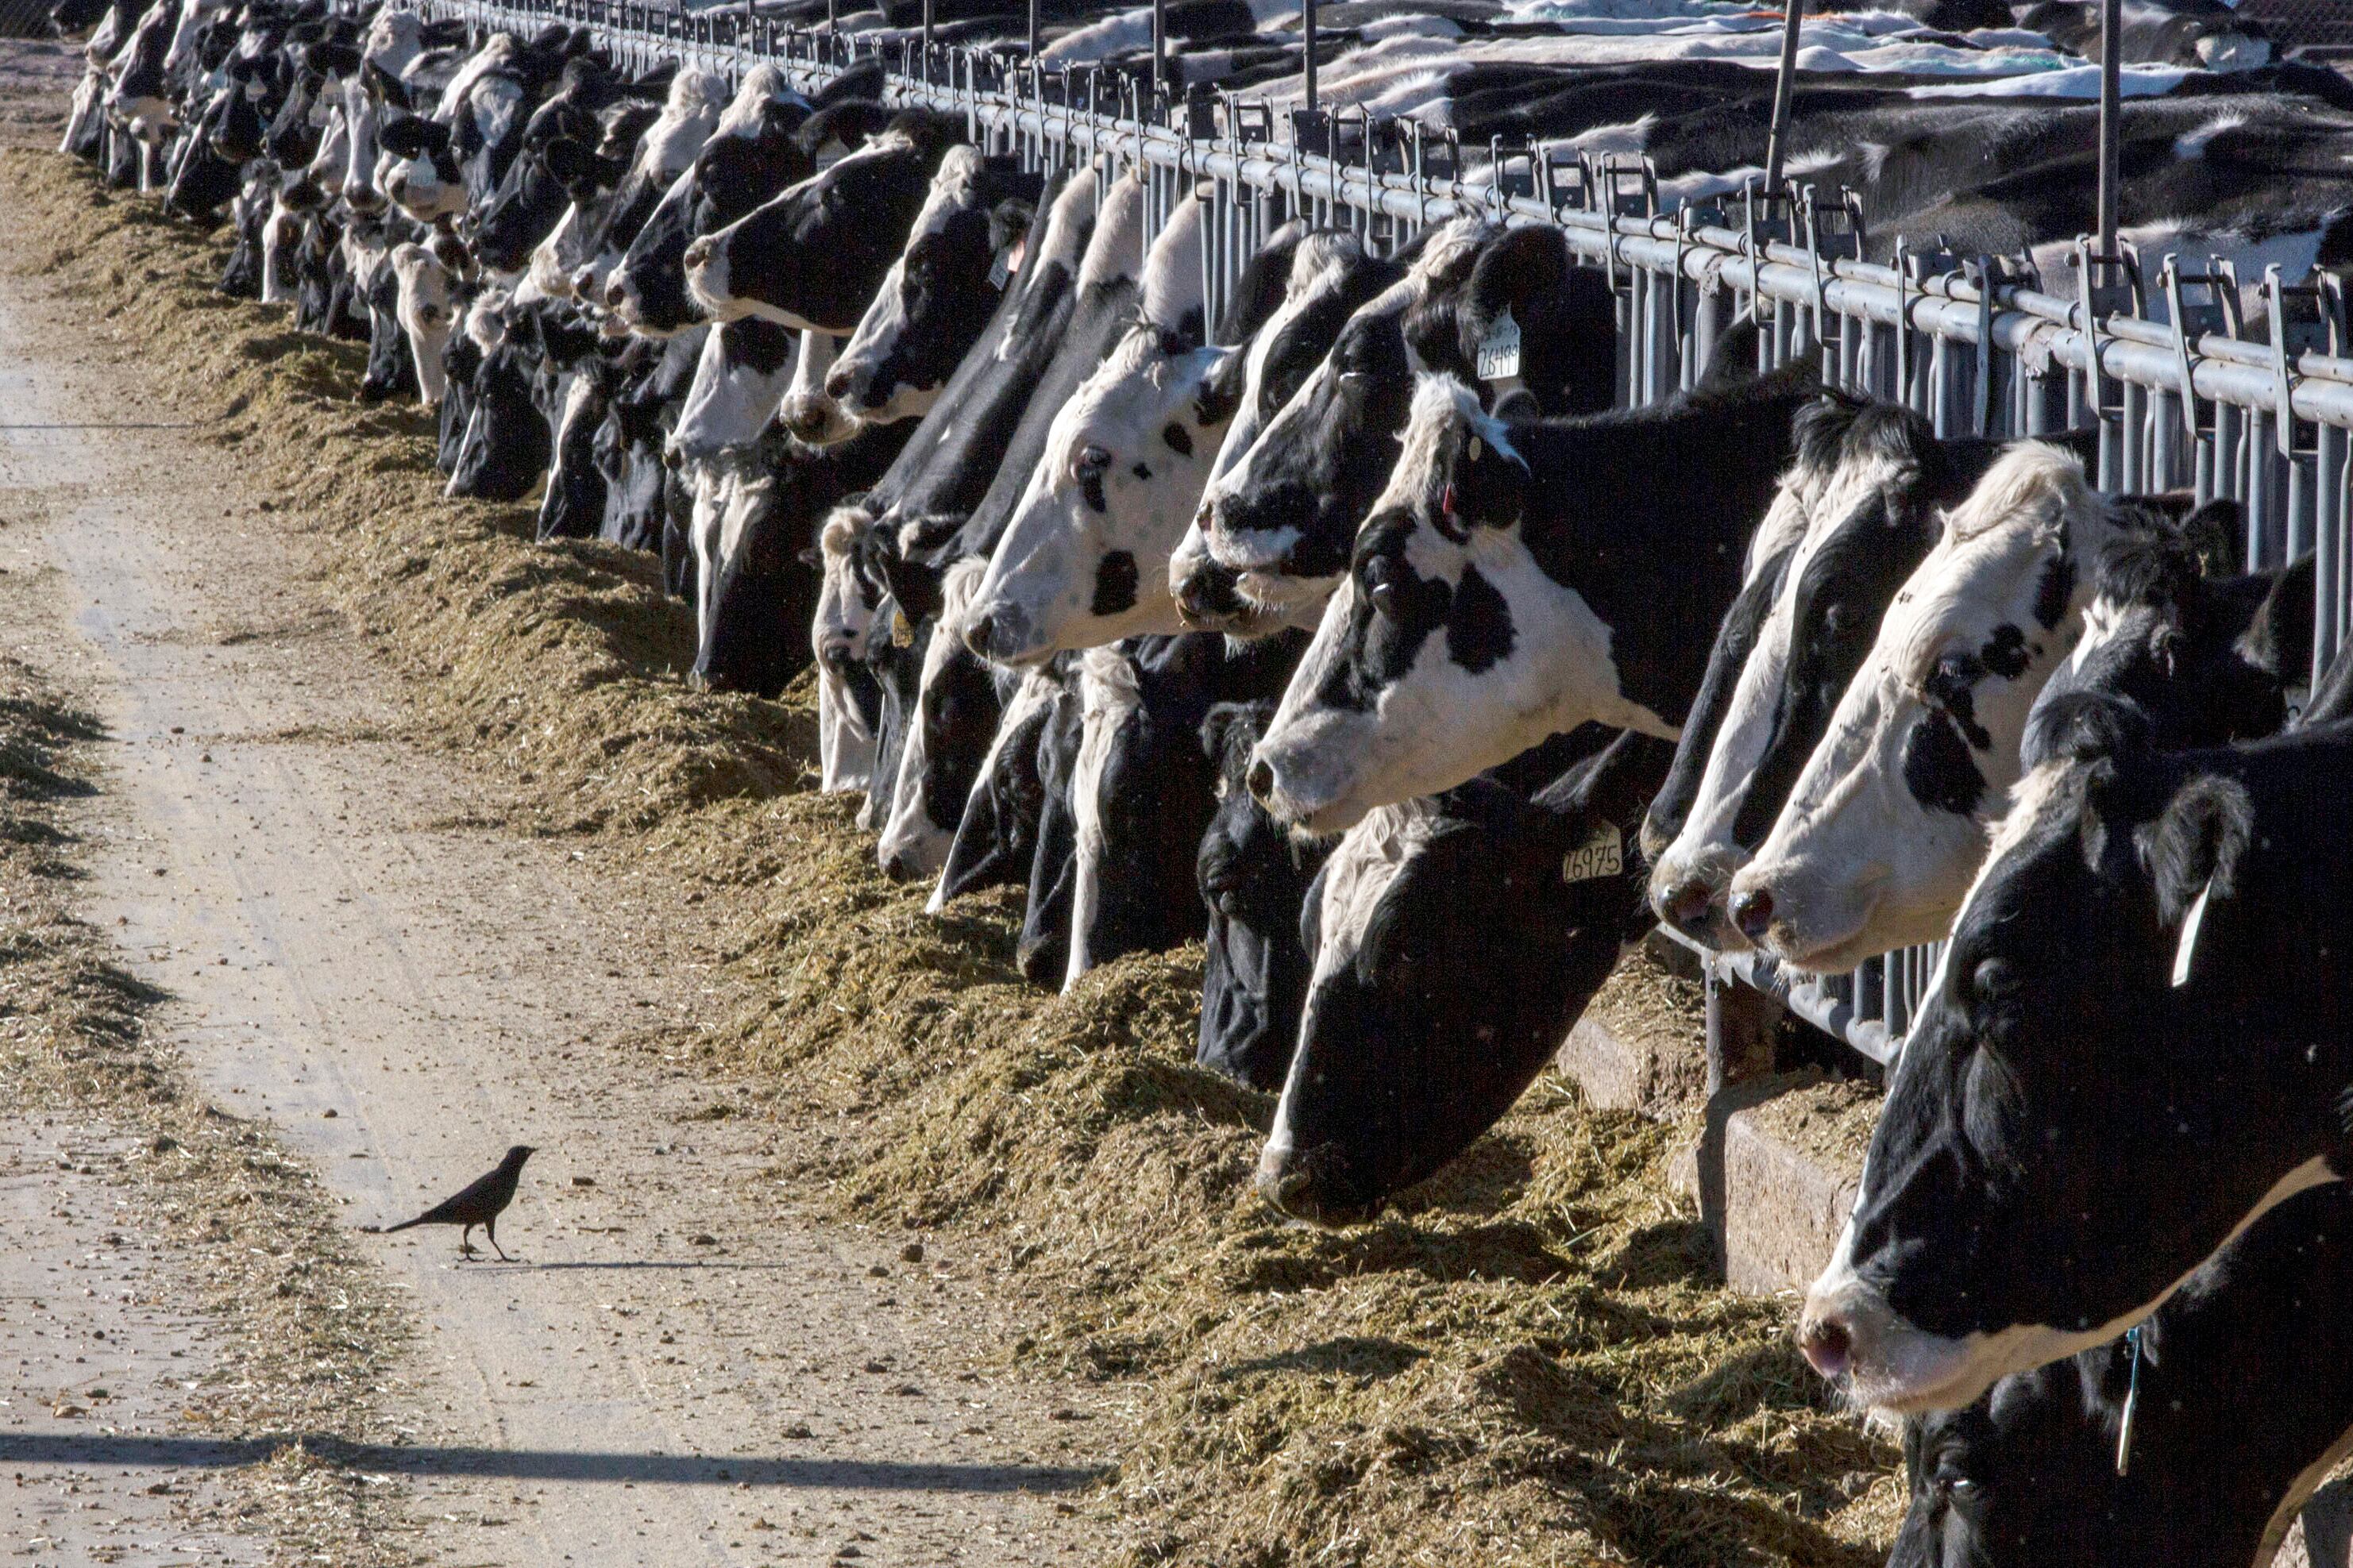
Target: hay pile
1528,1361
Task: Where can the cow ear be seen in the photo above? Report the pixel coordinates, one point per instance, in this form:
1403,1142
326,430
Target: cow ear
386,86
2195,847
2213,532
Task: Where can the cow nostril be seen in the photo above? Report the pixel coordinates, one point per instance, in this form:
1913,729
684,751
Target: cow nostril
1828,1343
1752,911
980,635
698,255
1686,905
837,383
617,292
1261,780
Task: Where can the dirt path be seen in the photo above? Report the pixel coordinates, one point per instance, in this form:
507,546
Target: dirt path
678,1368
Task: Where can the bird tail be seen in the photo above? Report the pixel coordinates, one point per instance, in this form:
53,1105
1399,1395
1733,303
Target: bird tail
403,1225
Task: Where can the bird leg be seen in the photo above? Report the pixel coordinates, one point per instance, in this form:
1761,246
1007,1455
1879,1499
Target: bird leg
491,1229
465,1246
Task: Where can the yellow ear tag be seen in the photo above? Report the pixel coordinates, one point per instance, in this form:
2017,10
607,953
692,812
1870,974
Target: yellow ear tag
903,630
1478,448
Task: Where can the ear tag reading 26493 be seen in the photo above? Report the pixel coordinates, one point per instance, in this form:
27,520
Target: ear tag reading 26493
2189,929
1603,854
1499,352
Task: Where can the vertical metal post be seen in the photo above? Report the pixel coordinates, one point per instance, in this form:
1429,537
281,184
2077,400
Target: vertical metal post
1307,52
927,40
1777,144
1033,26
1159,47
2111,120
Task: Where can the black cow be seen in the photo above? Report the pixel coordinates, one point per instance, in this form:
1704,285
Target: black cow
2140,1040
996,837
2240,1392
1423,1026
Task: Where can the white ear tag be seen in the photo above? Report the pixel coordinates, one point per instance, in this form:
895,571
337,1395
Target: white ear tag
1478,448
2189,936
1499,352
1603,854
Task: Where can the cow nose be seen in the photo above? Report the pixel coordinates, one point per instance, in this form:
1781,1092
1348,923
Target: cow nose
837,383
1686,905
698,255
1827,1342
979,634
1752,911
617,292
899,867
1261,779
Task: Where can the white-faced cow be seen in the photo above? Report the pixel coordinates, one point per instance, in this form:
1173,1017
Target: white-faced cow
1516,580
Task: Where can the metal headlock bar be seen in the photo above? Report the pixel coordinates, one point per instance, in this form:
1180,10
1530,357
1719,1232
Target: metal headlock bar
1975,343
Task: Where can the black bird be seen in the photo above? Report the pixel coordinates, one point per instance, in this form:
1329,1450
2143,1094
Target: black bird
481,1203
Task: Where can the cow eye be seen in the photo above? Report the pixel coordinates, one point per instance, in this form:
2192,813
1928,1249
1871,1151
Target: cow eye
1092,460
1381,587
1994,980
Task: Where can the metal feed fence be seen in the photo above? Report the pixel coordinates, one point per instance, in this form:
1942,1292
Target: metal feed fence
1978,344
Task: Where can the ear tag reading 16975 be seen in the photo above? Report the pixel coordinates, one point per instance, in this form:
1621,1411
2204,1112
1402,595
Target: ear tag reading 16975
1499,352
1603,854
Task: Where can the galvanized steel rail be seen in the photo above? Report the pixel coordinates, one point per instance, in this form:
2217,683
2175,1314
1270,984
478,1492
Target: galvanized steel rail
1978,344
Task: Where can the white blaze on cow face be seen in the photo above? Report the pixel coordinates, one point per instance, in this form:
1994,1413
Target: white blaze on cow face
1812,505
841,632
1396,699
428,313
808,411
363,116
728,404
1888,821
1084,561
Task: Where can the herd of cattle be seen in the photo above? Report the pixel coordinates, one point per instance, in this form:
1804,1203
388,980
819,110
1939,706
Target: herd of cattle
1418,679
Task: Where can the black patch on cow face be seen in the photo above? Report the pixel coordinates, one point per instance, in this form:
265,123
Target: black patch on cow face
1115,579
1479,624
1142,471
1090,487
1952,689
1179,439
1937,767
2057,586
2006,654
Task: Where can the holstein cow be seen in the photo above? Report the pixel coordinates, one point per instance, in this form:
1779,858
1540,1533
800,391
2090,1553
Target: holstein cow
1275,529
2140,1041
814,255
1254,875
753,152
1084,558
575,260
2202,659
997,836
2131,1454
1888,819
1422,1027
849,616
1871,481
943,290
1517,580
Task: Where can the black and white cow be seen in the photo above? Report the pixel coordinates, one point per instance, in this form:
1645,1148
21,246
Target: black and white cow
753,152
575,261
941,293
997,836
505,446
1871,482
1275,525
2030,1474
1887,821
1516,580
1422,1027
2140,1040
814,255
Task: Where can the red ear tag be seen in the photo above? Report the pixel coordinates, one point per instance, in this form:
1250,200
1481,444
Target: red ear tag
1446,500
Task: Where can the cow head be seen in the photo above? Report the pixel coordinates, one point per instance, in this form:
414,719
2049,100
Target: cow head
740,375
1084,560
956,712
1423,1025
421,176
2134,1047
814,255
848,615
1868,481
1888,819
751,155
427,311
1418,662
939,294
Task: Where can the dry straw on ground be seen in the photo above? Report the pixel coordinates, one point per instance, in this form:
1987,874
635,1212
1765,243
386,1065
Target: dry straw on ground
1528,1363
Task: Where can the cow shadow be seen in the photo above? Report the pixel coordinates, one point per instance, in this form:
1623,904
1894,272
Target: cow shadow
1363,1357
